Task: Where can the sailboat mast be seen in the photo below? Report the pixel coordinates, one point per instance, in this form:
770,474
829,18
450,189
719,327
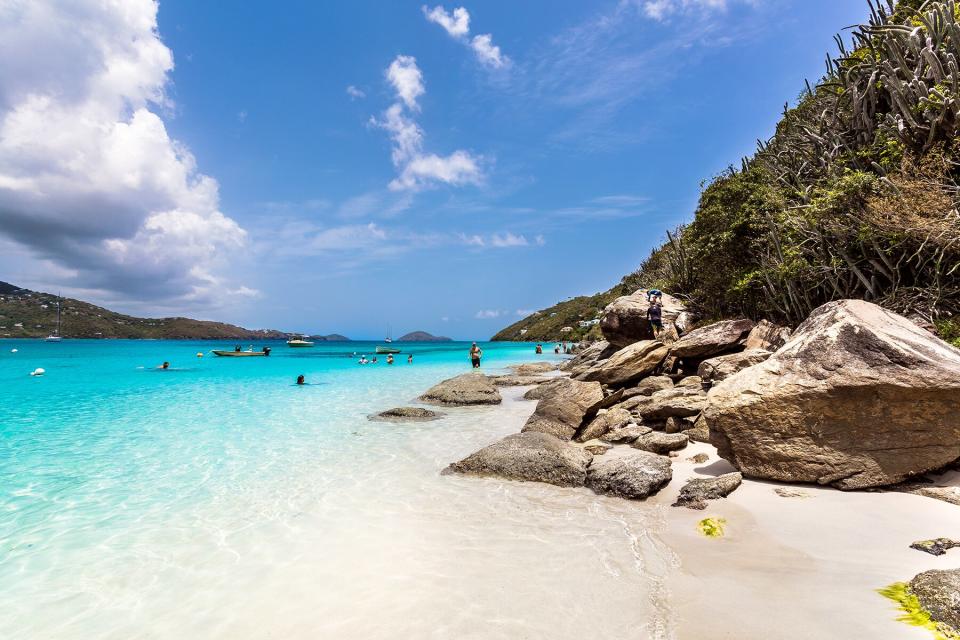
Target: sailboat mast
58,314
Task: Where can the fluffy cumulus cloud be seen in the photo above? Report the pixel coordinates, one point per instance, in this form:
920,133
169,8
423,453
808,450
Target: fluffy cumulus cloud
418,170
504,240
90,180
457,25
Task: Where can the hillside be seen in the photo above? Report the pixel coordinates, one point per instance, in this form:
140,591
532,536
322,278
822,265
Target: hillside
423,336
32,314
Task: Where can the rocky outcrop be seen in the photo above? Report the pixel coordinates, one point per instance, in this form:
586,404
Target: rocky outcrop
648,386
858,397
767,336
624,320
630,363
407,414
662,443
561,410
532,457
635,476
939,595
700,431
517,380
533,368
694,382
720,368
607,420
679,402
588,357
466,389
625,434
597,447
696,492
542,389
714,339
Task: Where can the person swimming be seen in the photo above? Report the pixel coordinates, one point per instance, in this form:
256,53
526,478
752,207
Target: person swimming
301,380
165,365
390,359
363,360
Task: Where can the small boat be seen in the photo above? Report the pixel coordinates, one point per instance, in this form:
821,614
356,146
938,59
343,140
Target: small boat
240,354
299,342
381,349
56,334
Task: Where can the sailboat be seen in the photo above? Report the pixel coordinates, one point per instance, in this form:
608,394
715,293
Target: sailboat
388,340
55,337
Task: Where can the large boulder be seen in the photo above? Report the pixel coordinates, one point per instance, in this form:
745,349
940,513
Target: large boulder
713,370
533,457
466,389
407,414
533,368
518,380
662,443
635,476
628,364
713,339
696,492
767,335
625,434
588,357
563,406
938,592
859,397
679,402
648,386
607,420
542,389
625,321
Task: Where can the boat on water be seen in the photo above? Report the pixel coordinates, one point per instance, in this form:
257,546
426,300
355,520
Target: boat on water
299,342
382,349
56,337
234,353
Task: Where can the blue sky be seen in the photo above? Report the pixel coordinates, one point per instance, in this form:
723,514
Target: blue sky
261,163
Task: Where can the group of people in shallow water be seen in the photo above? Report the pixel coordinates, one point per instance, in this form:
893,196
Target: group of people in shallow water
363,359
561,347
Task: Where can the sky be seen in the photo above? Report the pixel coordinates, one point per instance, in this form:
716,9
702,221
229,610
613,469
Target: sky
372,167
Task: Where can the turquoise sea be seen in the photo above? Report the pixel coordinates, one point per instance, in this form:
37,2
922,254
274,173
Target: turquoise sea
218,499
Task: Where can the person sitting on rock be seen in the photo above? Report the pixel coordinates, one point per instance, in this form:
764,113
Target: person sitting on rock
655,316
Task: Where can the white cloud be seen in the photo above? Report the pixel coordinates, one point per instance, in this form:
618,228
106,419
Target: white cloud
242,116
419,170
472,240
355,93
488,314
503,240
457,25
662,9
540,240
523,313
406,78
90,180
508,240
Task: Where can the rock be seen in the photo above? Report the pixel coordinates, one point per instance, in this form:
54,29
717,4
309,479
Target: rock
713,339
767,336
634,476
700,458
407,414
533,368
683,322
625,435
661,443
597,447
648,386
561,410
935,547
532,456
605,403
859,397
517,381
679,402
713,370
588,357
939,595
696,492
694,382
677,425
630,363
700,432
607,420
946,494
785,492
543,388
624,320
466,389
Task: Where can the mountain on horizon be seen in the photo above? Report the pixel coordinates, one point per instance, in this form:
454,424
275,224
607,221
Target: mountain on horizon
423,336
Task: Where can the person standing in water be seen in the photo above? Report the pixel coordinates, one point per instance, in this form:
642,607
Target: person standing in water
410,359
301,379
475,354
390,359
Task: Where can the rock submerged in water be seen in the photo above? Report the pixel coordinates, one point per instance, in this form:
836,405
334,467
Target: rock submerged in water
696,492
407,414
634,476
466,389
531,457
858,397
562,407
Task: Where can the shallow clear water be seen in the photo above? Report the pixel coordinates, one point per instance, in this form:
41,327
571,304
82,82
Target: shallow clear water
220,500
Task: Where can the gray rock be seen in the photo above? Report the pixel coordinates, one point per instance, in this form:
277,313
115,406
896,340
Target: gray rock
694,382
662,443
696,492
939,595
407,414
859,397
626,434
607,420
542,389
628,364
648,386
767,336
532,457
713,370
679,402
714,339
935,547
588,357
624,320
700,431
533,368
678,425
700,458
635,476
466,389
597,447
561,410
517,381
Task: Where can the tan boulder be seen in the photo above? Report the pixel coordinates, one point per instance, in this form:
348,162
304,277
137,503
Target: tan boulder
767,335
713,339
713,370
858,397
561,409
624,320
607,420
628,364
466,389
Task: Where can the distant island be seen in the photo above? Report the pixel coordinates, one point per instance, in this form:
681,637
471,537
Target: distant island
333,337
423,336
33,314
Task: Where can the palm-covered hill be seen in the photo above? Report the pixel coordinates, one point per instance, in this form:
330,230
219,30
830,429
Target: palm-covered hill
855,196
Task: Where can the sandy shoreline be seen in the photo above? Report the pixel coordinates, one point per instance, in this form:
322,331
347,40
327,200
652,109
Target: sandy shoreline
787,567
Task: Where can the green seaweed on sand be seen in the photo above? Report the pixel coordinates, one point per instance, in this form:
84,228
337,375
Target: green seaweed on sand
712,527
913,613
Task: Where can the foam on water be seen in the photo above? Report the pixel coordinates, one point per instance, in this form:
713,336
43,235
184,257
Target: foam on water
220,500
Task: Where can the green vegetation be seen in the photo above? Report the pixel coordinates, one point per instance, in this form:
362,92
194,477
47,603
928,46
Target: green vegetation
712,527
30,314
912,613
